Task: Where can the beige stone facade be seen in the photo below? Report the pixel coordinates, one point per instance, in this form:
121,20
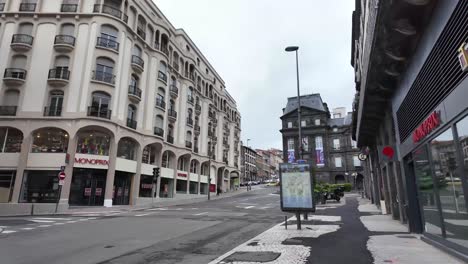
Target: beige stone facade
109,90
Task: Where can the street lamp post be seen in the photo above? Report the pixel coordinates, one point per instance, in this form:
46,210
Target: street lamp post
291,49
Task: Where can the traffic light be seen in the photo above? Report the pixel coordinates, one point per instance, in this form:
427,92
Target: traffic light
155,174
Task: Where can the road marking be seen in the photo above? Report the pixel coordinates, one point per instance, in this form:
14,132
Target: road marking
201,213
248,207
9,231
42,221
158,209
71,222
83,219
144,214
3,226
58,223
266,207
44,225
27,228
113,214
63,219
92,218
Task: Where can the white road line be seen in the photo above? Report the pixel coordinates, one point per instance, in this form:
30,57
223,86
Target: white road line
114,214
9,231
248,207
71,222
144,214
158,209
58,223
201,213
83,219
44,225
43,218
92,218
27,228
42,221
266,207
3,226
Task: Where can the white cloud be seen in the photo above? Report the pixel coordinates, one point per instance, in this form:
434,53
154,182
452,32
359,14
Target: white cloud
245,39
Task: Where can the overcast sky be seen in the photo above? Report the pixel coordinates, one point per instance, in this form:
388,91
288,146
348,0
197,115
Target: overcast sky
244,40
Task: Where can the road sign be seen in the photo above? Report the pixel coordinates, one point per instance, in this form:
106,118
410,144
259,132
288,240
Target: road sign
62,176
362,157
61,182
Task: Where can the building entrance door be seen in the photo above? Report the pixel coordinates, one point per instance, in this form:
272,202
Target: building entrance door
122,186
88,187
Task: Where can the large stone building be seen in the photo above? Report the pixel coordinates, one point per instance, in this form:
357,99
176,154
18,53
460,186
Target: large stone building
268,163
326,141
410,59
249,164
109,89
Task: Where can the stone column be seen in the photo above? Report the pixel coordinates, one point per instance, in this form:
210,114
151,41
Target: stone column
136,178
23,160
110,173
69,170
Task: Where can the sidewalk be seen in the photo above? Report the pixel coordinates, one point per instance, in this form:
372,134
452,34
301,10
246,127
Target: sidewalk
338,233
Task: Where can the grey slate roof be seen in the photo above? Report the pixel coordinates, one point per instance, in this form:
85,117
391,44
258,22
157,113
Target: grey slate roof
313,101
343,121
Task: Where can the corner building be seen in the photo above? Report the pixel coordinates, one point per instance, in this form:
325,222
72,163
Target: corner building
109,90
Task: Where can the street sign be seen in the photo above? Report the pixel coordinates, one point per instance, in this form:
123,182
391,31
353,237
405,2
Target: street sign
62,168
362,157
61,175
297,188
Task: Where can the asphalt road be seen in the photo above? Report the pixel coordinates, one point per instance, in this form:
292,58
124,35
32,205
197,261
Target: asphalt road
195,233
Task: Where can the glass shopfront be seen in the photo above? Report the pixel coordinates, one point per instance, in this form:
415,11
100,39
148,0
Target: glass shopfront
10,140
166,189
146,185
122,188
88,187
203,188
181,186
193,187
441,167
50,140
40,187
93,142
7,181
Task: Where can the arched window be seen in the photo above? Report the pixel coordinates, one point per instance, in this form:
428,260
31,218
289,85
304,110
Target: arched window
93,142
55,103
132,112
10,140
174,81
25,28
133,81
100,104
157,40
19,61
137,51
50,139
11,98
108,38
141,27
195,142
189,113
171,105
159,122
149,155
104,70
163,67
170,130
166,160
127,149
67,29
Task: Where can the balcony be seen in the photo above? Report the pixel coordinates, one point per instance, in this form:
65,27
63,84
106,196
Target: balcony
197,109
189,122
14,76
8,110
64,43
131,123
188,144
175,65
170,139
138,64
26,7
197,130
104,77
141,33
174,91
162,76
52,111
110,10
59,76
172,115
190,100
159,131
101,113
68,8
165,50
106,43
21,42
134,93
161,104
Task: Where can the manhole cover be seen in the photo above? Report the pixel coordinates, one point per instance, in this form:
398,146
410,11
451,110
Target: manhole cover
242,256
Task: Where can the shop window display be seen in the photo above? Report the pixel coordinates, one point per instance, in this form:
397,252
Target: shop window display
10,140
50,140
146,185
149,155
126,149
92,142
40,187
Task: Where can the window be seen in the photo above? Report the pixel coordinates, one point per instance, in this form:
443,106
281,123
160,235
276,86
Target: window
131,114
335,129
305,143
93,142
50,140
336,143
149,155
40,187
55,104
289,124
104,70
165,163
356,161
353,143
10,140
317,122
303,123
126,149
338,162
100,103
108,38
290,143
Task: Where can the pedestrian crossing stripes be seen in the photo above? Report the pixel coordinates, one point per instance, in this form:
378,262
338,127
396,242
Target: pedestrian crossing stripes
42,222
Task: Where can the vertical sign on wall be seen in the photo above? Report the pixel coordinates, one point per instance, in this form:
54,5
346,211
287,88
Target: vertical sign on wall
305,143
319,156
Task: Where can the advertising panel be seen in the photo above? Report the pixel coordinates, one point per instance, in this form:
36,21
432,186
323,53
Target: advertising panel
291,157
296,187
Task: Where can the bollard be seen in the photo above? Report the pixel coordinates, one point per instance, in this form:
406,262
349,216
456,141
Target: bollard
286,222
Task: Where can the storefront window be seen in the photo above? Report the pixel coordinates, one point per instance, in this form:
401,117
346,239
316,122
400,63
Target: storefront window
193,187
40,187
181,186
93,142
126,149
50,140
203,188
149,155
7,181
10,140
146,185
166,188
427,192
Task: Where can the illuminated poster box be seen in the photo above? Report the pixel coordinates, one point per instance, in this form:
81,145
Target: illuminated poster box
297,188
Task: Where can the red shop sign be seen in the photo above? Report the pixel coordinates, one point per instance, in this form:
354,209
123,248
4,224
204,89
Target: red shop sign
146,186
92,161
87,192
431,123
182,175
98,191
212,187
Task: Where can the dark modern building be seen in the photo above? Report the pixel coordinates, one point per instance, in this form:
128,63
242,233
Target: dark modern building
326,141
410,60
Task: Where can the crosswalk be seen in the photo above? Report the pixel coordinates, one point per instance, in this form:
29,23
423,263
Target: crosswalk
39,223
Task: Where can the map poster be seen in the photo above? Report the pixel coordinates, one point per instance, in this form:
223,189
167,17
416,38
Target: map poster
296,187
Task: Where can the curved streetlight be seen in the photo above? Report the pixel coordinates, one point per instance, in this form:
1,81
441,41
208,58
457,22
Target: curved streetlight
291,49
